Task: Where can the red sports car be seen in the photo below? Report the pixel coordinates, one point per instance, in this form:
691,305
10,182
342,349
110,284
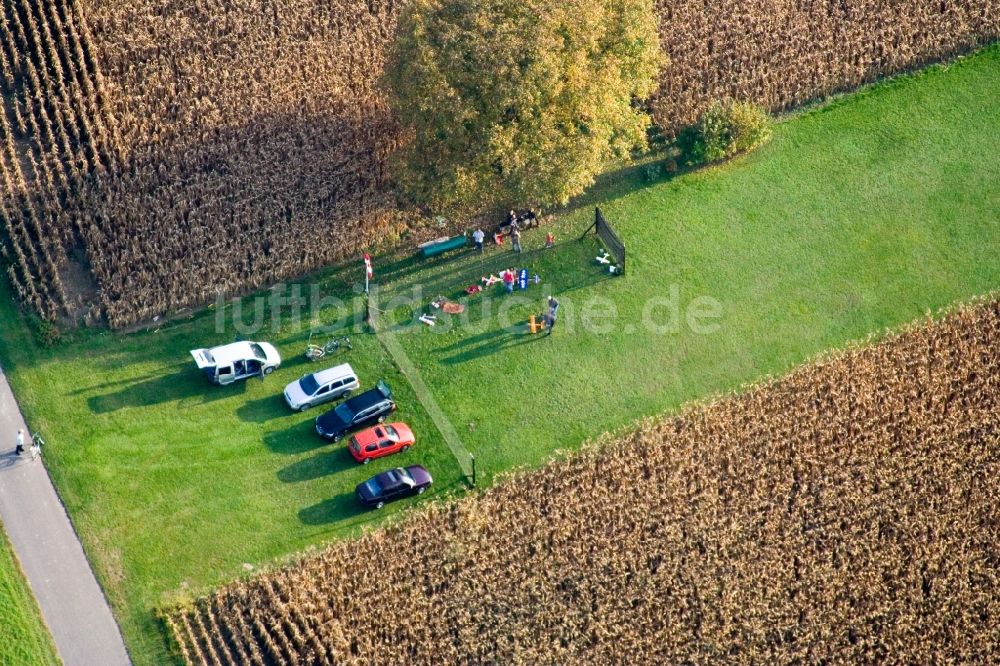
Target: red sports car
381,440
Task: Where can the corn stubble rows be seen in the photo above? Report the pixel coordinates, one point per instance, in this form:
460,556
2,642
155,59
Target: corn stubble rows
256,144
846,512
55,134
181,149
246,143
784,53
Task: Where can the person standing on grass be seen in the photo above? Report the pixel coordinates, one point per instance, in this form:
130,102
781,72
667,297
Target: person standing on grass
36,448
551,315
508,280
515,239
19,442
477,238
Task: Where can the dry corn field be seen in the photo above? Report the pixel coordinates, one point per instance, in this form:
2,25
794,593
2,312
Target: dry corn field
56,135
157,153
246,143
845,513
784,53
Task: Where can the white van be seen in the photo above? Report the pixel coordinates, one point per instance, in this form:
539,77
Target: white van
229,363
319,387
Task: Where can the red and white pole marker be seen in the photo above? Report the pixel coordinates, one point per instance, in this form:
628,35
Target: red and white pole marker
368,270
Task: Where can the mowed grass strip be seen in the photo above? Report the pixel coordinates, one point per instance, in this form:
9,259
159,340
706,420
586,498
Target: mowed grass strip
858,216
26,639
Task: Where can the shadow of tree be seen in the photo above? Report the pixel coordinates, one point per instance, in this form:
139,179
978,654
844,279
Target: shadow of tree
395,268
453,283
616,183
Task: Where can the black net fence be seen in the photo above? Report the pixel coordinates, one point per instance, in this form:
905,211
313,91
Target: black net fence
610,238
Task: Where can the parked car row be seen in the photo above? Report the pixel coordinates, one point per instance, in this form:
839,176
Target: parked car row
393,484
364,409
323,386
363,414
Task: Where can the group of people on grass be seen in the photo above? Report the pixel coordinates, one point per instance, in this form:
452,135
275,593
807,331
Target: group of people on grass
515,238
512,229
509,276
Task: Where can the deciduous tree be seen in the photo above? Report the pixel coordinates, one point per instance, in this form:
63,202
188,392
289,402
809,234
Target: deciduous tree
518,100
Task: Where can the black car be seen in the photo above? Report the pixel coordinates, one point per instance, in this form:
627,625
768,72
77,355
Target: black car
393,485
361,410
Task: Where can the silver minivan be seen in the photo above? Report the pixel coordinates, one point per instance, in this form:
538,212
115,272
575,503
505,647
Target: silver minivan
322,386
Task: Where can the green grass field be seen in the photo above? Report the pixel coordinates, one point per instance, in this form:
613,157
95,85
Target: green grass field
177,484
25,638
859,215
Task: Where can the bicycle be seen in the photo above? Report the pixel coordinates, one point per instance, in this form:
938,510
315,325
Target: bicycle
36,446
316,352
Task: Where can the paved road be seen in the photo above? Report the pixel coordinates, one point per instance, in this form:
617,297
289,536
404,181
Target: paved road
58,572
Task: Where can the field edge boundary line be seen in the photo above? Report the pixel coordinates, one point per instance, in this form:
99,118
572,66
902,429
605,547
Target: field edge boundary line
409,370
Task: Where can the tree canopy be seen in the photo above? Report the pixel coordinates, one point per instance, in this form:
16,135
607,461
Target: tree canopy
518,101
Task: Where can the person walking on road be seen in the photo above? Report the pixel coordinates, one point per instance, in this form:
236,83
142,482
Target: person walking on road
19,442
36,447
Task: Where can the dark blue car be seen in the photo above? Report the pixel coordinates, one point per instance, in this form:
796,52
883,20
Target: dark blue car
362,410
392,485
